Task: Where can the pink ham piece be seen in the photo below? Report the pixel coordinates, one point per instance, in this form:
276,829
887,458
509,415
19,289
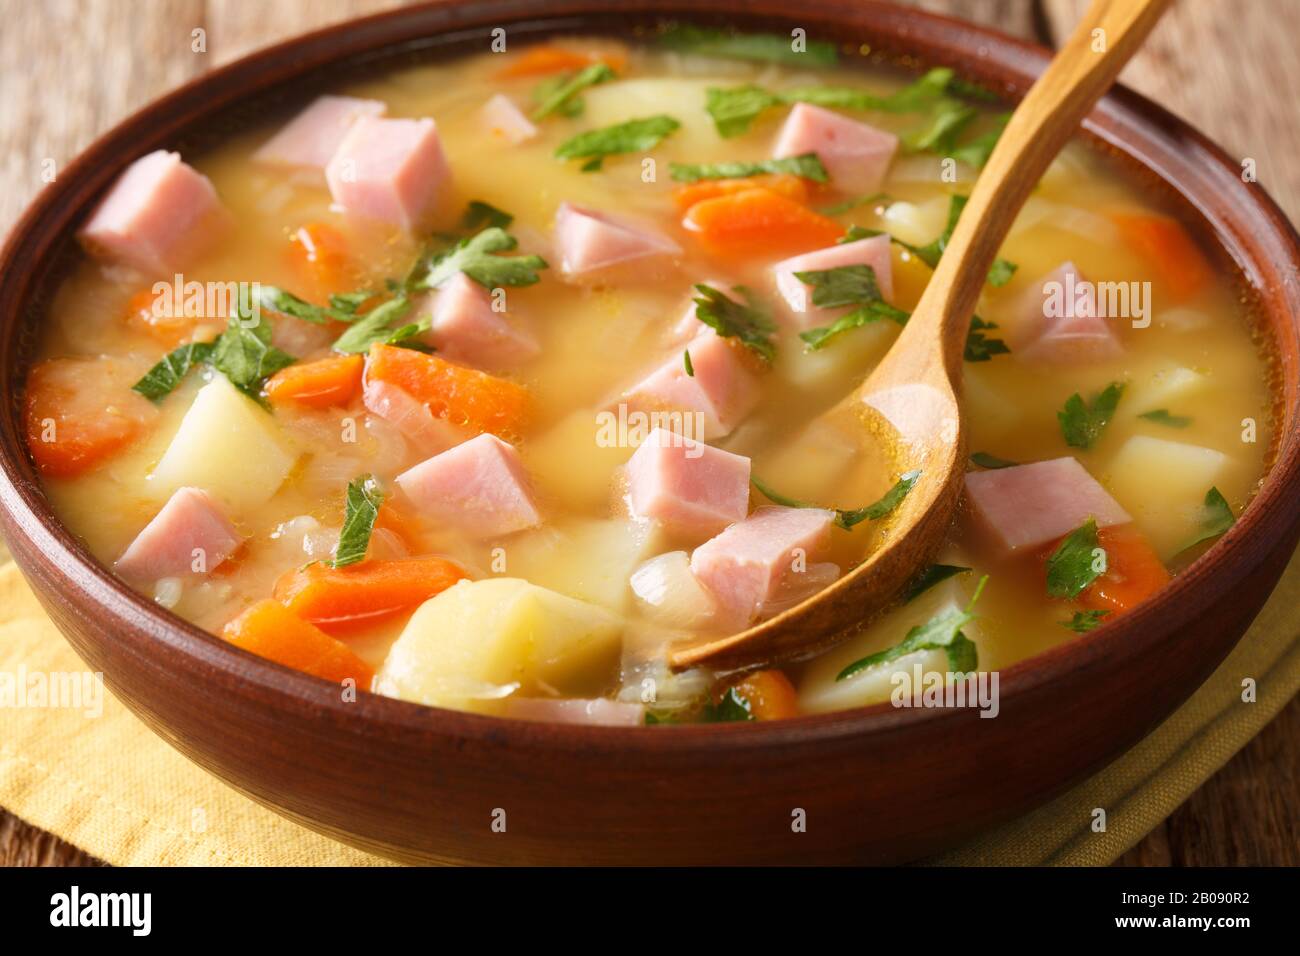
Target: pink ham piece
466,328
425,433
391,170
158,214
1074,333
722,391
479,486
856,156
311,138
591,242
690,487
601,712
189,535
1028,506
506,121
872,252
752,565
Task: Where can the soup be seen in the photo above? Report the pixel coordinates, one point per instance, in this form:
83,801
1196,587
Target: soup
486,384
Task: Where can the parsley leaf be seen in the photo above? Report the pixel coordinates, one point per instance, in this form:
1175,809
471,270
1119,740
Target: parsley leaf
844,518
244,354
480,215
1162,416
941,631
939,133
634,136
806,165
934,574
839,208
686,362
476,257
979,347
1082,423
561,98
286,303
764,47
731,319
977,151
376,326
161,380
1084,621
841,286
360,509
733,109
985,460
1216,518
1073,566
730,707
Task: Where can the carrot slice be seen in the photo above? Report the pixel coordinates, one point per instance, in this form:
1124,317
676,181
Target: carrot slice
397,519
543,60
320,384
759,222
268,629
319,254
464,396
1134,571
785,184
769,693
361,593
171,327
81,412
1169,250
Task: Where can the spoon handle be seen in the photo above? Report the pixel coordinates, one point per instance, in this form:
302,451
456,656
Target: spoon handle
1084,68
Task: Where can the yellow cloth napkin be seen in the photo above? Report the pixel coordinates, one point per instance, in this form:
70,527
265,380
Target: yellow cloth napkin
107,784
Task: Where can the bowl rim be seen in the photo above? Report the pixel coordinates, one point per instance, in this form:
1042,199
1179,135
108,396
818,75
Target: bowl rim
1005,62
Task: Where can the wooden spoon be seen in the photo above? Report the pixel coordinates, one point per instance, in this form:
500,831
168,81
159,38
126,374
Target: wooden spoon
913,392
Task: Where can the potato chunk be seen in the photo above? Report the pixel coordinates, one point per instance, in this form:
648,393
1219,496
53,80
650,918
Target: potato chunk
480,641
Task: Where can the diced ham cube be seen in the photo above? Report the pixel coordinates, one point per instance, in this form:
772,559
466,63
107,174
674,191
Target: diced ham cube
751,566
591,242
507,121
392,170
1075,333
311,138
690,487
465,327
158,214
479,486
873,252
425,432
190,535
610,713
856,156
722,391
1028,506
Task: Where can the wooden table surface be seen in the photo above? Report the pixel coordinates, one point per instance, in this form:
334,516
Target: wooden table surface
72,68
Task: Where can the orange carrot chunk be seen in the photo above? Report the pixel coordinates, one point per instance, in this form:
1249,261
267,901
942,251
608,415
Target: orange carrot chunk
170,325
464,396
270,630
319,254
81,412
1133,573
320,384
1168,249
785,184
543,60
769,693
361,593
759,222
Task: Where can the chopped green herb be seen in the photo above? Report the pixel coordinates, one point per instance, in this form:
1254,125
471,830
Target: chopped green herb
985,460
841,286
347,303
360,509
731,319
979,346
1084,621
593,165
1216,518
1076,563
686,361
941,129
376,326
733,109
286,303
806,165
934,574
634,136
481,215
1162,416
477,257
839,208
1082,422
563,97
943,631
546,90
730,707
845,518
976,152
244,353
161,380
764,47
1000,272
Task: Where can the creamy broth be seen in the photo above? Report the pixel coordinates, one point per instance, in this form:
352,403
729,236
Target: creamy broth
1196,366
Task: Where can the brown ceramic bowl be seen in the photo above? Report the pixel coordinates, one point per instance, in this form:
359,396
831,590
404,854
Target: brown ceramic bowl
422,784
